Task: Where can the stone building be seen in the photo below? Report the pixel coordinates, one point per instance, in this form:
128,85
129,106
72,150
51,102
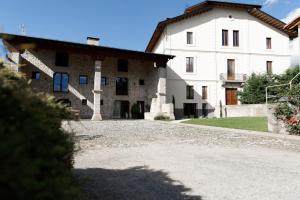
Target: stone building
99,82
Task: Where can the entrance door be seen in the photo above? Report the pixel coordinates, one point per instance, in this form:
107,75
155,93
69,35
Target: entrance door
231,96
190,110
141,105
121,109
230,69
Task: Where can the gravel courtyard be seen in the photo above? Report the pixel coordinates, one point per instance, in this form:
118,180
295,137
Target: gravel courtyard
161,160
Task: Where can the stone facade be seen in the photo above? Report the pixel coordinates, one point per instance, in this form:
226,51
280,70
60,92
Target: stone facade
43,61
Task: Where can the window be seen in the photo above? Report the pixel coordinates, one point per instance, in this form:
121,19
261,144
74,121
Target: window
84,102
60,82
269,67
230,69
189,64
121,86
269,43
224,37
101,102
236,38
35,75
104,81
141,82
190,110
83,79
204,92
122,65
189,92
62,59
189,37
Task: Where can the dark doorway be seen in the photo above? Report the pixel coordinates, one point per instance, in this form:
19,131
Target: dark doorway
231,96
190,110
121,109
141,105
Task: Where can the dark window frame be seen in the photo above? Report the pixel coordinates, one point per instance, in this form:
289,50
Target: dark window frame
61,83
224,37
105,82
123,65
84,102
269,43
34,75
204,92
236,38
189,64
141,82
62,59
122,89
87,79
190,92
189,38
269,66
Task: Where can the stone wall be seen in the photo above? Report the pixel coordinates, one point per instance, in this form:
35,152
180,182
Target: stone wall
80,64
251,110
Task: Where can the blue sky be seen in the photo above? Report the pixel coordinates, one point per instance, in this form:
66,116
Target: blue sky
119,23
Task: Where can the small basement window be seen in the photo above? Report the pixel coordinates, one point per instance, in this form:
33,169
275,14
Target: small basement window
62,59
35,75
84,102
83,80
141,82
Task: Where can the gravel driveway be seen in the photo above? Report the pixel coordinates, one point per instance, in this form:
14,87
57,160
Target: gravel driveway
158,160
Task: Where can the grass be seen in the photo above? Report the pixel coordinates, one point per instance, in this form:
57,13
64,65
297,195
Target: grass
245,123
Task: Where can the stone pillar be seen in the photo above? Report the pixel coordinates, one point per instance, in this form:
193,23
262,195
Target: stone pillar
97,91
161,87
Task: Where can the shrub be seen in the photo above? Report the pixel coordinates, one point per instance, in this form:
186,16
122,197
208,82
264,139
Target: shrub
36,155
135,110
162,117
254,88
289,112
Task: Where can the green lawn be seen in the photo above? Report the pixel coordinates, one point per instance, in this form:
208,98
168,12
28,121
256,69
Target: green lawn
246,123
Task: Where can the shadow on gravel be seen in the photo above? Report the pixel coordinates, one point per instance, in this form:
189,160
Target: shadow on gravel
138,183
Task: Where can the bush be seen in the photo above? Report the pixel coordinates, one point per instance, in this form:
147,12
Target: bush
289,112
254,89
162,117
36,155
135,111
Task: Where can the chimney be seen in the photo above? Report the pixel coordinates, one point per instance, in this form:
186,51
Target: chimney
93,41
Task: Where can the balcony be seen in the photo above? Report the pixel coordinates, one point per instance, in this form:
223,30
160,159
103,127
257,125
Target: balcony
233,78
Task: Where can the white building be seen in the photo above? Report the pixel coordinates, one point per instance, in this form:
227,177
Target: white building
217,45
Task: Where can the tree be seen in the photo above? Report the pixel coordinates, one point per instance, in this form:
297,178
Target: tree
254,88
36,155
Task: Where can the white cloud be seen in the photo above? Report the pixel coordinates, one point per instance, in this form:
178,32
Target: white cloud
294,44
292,15
269,2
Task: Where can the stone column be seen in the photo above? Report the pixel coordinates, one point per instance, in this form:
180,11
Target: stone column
97,91
161,87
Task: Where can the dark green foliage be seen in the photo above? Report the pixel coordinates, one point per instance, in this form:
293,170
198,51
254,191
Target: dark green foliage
135,110
36,155
289,75
254,89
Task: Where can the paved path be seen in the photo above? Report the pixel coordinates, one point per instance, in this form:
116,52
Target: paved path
157,160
